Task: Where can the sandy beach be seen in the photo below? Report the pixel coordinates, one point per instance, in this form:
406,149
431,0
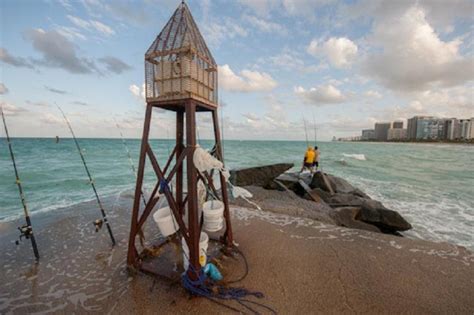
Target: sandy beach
301,265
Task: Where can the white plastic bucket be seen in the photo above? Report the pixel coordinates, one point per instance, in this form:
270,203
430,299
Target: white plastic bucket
165,221
203,243
213,211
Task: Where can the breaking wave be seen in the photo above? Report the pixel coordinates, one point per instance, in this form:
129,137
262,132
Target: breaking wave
360,157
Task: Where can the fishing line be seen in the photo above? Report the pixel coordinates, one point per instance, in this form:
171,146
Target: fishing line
26,231
97,223
132,166
305,132
315,131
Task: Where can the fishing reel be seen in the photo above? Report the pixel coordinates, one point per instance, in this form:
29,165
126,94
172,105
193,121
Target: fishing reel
25,231
98,224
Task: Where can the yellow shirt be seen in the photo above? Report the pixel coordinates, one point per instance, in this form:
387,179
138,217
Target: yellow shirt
310,156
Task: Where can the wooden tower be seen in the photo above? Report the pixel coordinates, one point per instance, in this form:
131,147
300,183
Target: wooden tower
181,76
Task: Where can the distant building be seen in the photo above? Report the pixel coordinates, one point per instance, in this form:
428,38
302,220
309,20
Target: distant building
466,128
452,129
368,134
397,125
430,128
394,134
471,128
381,131
411,127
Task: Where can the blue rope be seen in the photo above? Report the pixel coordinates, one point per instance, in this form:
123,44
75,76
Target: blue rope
203,286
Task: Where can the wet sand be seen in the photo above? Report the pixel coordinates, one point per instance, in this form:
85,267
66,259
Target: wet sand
301,265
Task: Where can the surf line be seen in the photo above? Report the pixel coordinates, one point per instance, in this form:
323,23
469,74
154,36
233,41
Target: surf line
97,223
26,230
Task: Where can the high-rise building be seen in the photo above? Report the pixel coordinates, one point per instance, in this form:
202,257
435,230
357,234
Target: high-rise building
430,128
471,128
466,128
381,131
396,134
368,134
411,127
452,129
397,125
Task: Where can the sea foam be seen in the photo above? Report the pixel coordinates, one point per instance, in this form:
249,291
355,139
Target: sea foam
360,157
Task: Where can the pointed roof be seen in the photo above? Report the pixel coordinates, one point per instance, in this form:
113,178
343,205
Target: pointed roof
181,31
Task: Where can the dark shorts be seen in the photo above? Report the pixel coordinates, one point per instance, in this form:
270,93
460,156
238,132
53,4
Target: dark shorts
316,164
308,165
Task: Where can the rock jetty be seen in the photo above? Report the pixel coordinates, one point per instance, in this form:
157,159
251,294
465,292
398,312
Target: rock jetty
322,196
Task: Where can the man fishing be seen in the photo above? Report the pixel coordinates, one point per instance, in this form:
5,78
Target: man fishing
309,160
316,158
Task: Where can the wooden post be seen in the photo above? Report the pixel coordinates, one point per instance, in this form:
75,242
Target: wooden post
225,198
132,251
179,150
193,219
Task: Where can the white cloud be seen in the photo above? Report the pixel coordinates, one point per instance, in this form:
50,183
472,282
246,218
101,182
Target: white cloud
49,118
102,28
216,32
413,56
260,7
10,109
91,24
373,94
304,7
138,92
3,89
247,81
340,52
265,26
291,60
321,95
70,33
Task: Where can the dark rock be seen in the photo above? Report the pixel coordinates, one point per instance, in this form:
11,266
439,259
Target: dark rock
272,185
325,196
344,200
318,182
258,176
346,216
340,185
373,212
360,193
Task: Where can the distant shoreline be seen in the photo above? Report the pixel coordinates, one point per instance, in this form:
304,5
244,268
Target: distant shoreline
469,142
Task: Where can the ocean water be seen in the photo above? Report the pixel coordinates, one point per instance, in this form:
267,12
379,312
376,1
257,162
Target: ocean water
432,185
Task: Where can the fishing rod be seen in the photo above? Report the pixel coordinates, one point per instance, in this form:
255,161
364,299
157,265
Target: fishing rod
97,223
315,131
130,160
26,230
305,132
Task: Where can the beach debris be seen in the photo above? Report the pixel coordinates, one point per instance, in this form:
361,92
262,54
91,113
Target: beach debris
104,215
258,176
212,272
26,230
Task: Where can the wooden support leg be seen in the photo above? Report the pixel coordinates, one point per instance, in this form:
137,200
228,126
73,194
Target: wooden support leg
179,150
193,220
225,198
132,251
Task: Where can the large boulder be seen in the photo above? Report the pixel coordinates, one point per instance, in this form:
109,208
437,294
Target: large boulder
258,176
318,182
344,200
373,212
347,217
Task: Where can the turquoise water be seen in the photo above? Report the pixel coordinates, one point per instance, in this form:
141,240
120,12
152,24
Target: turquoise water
430,184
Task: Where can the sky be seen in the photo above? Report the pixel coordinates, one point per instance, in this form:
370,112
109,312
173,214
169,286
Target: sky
335,67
